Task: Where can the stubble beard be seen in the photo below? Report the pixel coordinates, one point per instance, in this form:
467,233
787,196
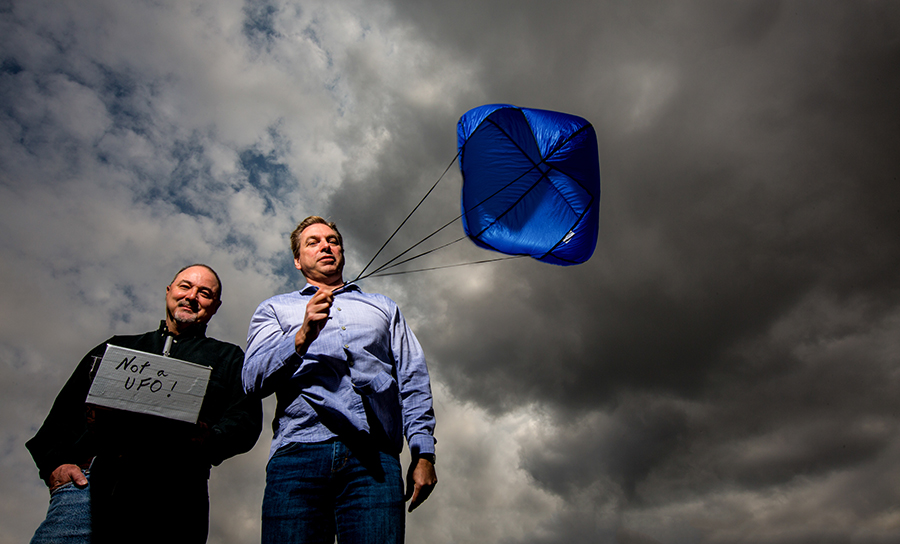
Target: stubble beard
179,317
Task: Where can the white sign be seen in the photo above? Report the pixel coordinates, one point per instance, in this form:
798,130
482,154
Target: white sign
149,384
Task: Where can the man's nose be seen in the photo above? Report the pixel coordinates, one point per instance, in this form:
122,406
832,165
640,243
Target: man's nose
192,294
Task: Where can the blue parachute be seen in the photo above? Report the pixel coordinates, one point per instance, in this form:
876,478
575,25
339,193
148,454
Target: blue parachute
531,182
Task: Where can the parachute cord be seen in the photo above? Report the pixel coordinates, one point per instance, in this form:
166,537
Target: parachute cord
388,264
407,218
381,275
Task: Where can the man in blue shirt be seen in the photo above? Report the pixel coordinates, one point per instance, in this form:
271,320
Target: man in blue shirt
350,380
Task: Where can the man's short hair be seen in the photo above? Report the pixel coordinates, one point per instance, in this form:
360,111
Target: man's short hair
206,266
311,220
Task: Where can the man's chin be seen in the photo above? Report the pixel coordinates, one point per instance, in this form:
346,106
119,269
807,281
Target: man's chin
186,318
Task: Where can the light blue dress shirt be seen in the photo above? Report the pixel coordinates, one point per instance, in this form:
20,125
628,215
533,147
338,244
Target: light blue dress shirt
366,355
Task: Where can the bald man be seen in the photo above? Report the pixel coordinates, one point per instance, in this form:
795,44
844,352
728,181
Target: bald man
117,476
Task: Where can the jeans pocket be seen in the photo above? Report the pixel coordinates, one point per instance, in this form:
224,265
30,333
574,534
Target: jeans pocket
61,488
287,449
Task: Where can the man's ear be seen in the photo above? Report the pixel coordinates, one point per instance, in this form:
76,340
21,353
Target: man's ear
297,264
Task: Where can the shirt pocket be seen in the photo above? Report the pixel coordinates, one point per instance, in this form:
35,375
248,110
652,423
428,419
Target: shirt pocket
381,395
377,384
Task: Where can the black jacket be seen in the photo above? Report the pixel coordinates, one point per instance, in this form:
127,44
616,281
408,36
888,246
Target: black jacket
230,421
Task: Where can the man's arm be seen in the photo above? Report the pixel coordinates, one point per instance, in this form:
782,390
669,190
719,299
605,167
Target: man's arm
415,387
63,438
240,424
418,413
278,338
270,351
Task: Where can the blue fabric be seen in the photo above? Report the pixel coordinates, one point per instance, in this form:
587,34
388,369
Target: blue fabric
314,491
68,518
531,182
365,372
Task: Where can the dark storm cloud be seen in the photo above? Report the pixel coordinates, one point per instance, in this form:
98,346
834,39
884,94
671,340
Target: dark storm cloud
748,236
751,191
373,207
623,447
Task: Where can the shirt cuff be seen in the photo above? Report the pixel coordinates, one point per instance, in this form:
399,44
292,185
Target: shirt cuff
421,443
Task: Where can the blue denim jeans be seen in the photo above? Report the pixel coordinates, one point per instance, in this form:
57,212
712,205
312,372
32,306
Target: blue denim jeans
68,518
316,491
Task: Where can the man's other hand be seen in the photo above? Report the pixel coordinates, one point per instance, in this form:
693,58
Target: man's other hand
420,481
64,474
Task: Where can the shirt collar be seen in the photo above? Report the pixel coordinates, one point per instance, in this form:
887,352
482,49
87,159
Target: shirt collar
198,329
310,289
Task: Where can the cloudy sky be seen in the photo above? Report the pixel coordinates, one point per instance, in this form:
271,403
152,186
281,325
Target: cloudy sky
724,369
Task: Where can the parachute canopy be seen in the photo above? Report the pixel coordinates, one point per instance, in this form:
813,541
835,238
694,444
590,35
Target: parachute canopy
531,182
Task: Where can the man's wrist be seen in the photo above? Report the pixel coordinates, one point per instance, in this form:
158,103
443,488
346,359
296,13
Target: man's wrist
428,457
299,347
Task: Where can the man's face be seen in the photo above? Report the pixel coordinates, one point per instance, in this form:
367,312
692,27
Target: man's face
192,297
321,257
